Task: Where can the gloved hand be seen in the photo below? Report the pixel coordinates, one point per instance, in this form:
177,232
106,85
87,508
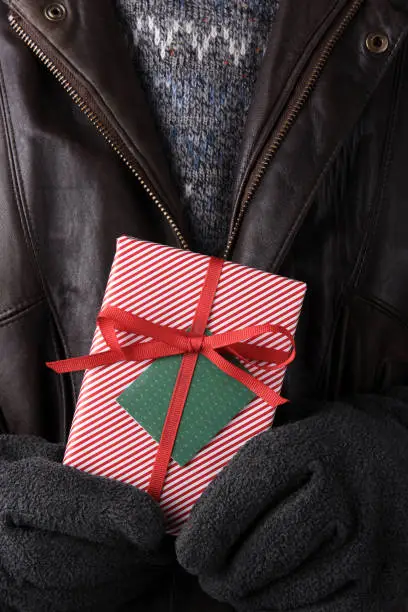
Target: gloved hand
311,516
69,541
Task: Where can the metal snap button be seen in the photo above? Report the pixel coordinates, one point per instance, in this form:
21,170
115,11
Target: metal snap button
55,11
377,43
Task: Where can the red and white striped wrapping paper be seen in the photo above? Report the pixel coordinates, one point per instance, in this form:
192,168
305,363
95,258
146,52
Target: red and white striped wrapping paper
163,284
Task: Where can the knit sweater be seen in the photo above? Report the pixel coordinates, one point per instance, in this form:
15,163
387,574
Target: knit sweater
198,62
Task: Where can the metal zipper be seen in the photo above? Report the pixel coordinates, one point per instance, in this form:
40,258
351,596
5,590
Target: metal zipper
102,128
289,117
270,150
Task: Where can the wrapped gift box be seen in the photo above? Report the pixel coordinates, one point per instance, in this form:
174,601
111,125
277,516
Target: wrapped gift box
163,285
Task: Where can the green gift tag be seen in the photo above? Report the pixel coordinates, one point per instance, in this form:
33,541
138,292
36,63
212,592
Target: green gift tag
213,400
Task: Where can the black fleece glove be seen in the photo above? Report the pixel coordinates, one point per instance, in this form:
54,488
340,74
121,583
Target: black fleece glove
69,541
311,516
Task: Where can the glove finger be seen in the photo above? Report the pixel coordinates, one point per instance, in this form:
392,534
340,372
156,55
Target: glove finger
321,580
250,513
262,475
259,478
49,560
303,554
309,521
51,497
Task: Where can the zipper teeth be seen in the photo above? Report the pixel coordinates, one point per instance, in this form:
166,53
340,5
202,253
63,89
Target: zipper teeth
292,115
93,118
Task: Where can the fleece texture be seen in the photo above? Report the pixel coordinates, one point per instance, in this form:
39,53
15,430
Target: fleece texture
311,516
69,541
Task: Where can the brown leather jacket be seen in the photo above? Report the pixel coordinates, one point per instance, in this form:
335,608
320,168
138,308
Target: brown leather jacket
320,194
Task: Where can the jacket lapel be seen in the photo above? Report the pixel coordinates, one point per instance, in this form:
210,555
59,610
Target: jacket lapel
90,45
335,104
292,40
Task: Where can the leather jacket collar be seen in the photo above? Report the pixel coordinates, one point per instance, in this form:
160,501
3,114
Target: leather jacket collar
298,76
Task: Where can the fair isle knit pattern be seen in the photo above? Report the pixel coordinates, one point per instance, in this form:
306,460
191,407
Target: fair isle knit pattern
198,62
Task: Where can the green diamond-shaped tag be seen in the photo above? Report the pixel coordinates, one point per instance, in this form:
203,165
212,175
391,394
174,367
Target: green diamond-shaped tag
213,400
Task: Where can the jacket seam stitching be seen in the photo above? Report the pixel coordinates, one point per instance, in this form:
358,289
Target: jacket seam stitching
356,273
341,301
309,200
21,199
385,308
19,189
298,65
368,243
11,166
18,314
11,310
28,225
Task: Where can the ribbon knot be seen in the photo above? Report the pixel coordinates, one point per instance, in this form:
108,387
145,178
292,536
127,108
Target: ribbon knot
195,343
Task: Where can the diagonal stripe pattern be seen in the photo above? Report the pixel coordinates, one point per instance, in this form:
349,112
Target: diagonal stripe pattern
163,284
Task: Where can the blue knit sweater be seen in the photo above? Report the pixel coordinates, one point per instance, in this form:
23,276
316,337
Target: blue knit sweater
198,61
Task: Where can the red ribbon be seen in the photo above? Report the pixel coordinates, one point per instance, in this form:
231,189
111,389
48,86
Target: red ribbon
167,341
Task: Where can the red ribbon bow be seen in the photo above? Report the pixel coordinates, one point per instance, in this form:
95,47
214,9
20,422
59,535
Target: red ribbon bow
167,341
